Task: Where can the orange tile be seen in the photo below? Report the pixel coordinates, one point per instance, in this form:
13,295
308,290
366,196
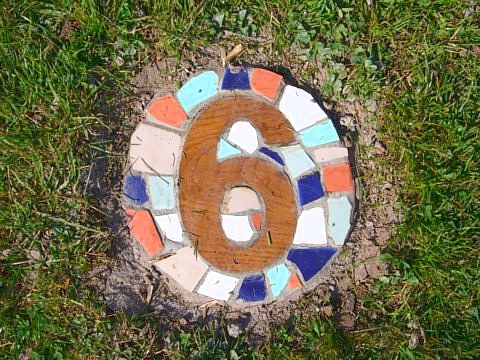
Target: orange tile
257,220
338,177
266,82
294,282
166,109
143,229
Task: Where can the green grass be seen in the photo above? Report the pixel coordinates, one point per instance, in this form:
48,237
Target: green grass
416,58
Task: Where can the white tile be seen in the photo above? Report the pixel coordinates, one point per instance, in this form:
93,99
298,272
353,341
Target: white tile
244,135
240,198
154,150
300,108
218,286
170,226
330,153
185,267
237,228
311,228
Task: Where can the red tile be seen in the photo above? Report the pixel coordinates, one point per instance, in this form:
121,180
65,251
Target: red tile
338,177
143,229
294,282
257,220
166,109
266,83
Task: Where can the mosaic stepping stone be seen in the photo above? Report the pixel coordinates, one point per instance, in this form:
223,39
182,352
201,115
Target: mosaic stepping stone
238,187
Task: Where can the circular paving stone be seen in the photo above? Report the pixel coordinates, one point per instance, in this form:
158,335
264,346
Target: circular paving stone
239,187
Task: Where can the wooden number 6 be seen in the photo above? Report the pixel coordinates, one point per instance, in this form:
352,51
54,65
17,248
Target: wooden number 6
204,181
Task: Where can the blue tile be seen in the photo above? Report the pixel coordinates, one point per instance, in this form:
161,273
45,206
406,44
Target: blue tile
134,190
272,154
310,188
253,289
232,81
319,134
278,277
225,149
310,261
197,90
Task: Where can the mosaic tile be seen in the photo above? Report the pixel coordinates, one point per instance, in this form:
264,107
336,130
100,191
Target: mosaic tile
170,226
339,218
330,153
310,188
294,282
185,267
266,83
226,149
300,108
142,229
154,150
162,192
311,228
235,80
167,110
198,89
272,154
240,199
237,227
310,261
319,134
338,177
244,135
218,286
253,289
297,160
257,220
134,190
278,277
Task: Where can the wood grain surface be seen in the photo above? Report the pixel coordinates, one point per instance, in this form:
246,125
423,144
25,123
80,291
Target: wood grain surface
204,181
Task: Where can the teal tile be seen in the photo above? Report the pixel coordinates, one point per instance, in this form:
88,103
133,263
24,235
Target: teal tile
297,160
226,149
339,218
162,192
278,277
198,89
319,134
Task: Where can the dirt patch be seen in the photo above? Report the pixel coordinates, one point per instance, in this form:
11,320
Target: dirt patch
132,284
